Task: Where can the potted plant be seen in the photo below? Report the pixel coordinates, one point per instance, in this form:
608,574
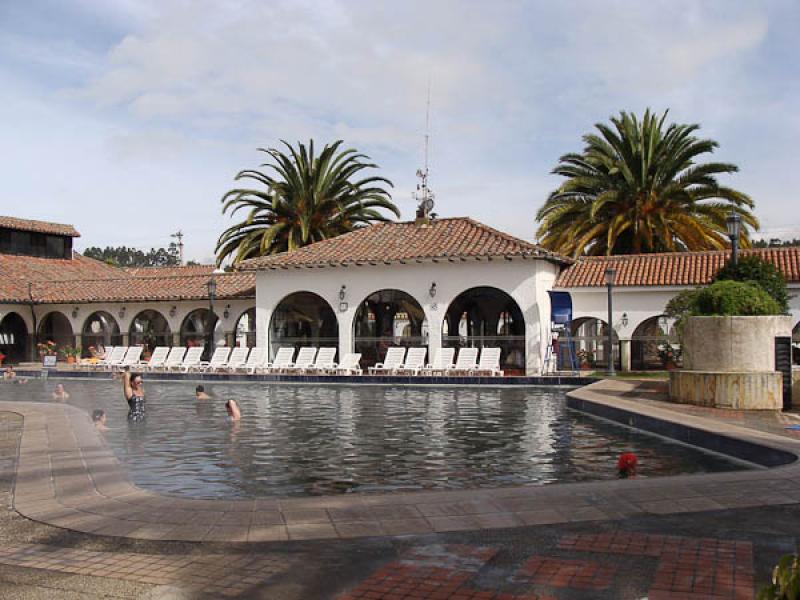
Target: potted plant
585,359
70,354
2,357
669,355
47,348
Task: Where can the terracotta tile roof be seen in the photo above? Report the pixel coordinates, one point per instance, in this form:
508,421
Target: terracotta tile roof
672,269
38,226
449,239
141,289
170,271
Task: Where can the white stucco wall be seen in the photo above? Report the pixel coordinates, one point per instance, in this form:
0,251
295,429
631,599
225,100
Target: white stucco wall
526,281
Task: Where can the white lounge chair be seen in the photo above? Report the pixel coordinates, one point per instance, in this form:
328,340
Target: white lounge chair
218,360
115,358
191,359
414,362
325,361
255,360
393,360
132,357
157,358
467,361
305,359
442,362
489,363
283,360
350,365
238,358
174,359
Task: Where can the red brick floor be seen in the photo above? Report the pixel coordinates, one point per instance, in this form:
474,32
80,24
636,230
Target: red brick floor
686,568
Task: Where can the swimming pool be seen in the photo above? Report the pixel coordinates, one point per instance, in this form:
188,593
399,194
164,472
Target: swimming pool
300,440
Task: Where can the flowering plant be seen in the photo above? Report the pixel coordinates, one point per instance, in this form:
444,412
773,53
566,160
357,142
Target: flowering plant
668,354
2,358
47,348
68,351
585,357
626,465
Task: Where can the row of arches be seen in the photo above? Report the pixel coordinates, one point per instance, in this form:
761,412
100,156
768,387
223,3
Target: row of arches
478,317
149,328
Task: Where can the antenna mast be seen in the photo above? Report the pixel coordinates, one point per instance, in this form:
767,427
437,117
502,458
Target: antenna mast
179,236
423,194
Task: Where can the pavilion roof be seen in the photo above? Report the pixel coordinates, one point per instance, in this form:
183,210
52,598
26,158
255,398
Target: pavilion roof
38,226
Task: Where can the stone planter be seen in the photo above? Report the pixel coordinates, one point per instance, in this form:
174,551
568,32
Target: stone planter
729,362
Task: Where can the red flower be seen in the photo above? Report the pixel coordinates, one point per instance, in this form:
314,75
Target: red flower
626,465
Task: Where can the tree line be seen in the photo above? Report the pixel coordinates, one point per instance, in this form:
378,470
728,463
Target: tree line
124,256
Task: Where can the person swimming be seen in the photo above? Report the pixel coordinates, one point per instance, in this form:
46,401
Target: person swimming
60,393
232,408
200,393
99,419
133,388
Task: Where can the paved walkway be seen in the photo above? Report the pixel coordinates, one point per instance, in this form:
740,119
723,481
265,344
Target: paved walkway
96,535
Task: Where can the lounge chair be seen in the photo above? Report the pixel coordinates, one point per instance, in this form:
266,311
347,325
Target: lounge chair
325,361
466,362
132,357
191,359
218,360
283,360
255,360
237,359
414,362
115,357
393,360
174,358
442,362
157,358
305,359
489,363
350,365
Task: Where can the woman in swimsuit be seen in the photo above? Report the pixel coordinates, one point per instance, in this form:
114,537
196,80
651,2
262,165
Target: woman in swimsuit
133,388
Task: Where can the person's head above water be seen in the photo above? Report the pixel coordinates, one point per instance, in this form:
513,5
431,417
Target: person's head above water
98,415
233,410
136,380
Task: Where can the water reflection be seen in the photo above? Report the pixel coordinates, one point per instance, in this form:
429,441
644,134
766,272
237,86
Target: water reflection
306,440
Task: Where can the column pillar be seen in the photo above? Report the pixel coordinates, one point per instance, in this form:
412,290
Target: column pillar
345,320
434,333
176,338
230,339
126,339
625,355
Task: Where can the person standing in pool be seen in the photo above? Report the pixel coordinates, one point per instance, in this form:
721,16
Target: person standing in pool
133,388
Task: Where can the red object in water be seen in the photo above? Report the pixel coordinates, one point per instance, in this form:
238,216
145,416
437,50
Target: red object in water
626,465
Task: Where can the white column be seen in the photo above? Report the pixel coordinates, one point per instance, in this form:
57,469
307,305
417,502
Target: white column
345,320
434,314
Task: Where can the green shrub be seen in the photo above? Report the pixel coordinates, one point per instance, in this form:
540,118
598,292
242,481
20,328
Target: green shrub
785,583
754,270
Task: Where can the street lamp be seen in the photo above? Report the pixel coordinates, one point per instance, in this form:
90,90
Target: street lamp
610,274
212,294
734,223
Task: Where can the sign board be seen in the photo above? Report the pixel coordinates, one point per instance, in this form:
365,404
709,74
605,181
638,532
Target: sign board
49,361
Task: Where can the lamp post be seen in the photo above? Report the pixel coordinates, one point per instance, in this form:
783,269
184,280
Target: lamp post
212,293
734,224
610,274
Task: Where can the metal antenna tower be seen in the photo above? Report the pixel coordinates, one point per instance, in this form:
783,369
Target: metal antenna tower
423,194
179,236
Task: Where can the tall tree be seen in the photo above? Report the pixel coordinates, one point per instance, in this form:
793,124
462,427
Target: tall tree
638,186
305,198
122,256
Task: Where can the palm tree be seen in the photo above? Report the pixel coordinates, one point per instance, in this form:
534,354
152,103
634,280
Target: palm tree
637,187
306,198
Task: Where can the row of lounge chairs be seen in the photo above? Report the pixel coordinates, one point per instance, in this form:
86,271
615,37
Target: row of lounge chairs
309,360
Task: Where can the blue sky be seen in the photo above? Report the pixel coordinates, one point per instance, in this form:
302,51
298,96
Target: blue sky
129,119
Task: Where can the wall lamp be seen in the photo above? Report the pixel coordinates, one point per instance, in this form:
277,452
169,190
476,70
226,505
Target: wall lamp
624,319
173,311
121,313
432,291
342,292
75,312
227,312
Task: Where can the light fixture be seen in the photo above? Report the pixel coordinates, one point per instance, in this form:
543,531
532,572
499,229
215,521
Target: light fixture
227,312
610,275
121,313
173,311
624,319
342,292
75,313
734,224
432,290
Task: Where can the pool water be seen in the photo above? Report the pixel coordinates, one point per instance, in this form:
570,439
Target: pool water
300,440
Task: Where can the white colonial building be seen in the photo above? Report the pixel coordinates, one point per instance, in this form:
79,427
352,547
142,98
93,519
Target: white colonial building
442,282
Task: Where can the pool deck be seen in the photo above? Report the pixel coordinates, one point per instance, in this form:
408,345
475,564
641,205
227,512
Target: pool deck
67,477
90,533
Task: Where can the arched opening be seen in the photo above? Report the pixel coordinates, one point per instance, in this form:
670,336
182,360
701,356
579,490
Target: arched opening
796,344
388,318
202,328
55,327
649,340
486,317
590,336
13,338
99,330
302,319
245,330
150,329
